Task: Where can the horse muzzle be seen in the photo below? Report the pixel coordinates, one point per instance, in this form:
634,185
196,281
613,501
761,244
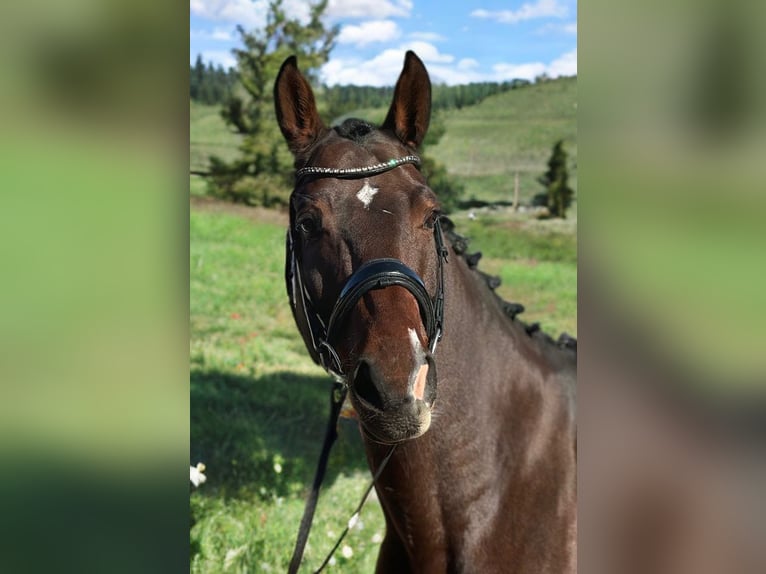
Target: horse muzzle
386,415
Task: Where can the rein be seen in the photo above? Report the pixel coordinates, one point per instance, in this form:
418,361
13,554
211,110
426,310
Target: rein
374,274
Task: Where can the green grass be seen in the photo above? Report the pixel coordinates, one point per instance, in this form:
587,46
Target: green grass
483,147
486,144
258,408
258,403
208,135
537,262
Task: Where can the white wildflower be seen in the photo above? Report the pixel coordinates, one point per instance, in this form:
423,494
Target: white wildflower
377,538
195,474
346,551
332,561
353,520
277,467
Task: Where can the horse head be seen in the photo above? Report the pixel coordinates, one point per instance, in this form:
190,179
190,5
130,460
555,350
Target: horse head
364,259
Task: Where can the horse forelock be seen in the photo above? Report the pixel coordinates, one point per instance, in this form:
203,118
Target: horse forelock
353,143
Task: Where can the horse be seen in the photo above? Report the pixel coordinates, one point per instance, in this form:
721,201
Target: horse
480,406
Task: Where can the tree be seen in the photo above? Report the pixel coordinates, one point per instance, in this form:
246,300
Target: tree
447,188
558,195
261,174
196,78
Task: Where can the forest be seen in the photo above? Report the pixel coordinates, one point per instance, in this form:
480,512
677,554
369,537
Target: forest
215,85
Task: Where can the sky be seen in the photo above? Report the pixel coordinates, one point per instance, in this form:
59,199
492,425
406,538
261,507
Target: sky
459,41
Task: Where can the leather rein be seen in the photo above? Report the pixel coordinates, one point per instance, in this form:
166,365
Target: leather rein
373,274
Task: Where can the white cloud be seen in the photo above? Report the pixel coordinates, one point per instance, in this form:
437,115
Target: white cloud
427,52
247,13
369,32
552,28
222,57
217,34
377,9
527,71
467,64
565,65
426,36
540,9
222,35
384,69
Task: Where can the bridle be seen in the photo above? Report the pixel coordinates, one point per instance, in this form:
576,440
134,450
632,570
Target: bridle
373,274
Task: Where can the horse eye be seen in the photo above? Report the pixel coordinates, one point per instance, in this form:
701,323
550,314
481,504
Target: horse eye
307,225
431,219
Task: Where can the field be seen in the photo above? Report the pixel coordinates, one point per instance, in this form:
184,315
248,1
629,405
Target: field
485,145
258,403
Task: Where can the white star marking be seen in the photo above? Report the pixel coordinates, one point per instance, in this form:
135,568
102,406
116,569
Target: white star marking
366,194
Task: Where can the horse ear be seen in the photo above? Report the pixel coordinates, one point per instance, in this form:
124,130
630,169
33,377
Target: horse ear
296,108
410,111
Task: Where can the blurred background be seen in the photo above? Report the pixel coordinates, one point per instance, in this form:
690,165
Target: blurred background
94,304
94,291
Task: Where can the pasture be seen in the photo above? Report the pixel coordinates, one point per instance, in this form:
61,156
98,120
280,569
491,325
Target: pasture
258,403
484,145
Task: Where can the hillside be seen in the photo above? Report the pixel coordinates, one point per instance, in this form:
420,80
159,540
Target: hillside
484,145
208,135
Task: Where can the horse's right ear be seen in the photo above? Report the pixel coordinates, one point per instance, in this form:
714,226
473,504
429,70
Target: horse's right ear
296,108
410,110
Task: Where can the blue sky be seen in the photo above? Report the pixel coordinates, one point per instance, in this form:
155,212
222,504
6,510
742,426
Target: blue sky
460,42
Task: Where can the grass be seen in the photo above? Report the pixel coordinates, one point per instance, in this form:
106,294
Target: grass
258,408
486,144
208,135
258,403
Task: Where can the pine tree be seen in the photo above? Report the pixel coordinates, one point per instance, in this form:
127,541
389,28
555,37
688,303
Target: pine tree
447,188
196,78
261,173
558,195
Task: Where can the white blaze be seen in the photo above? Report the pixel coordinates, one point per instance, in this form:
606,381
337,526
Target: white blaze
419,382
366,194
415,341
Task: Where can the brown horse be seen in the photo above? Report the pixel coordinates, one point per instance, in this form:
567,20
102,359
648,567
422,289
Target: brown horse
483,477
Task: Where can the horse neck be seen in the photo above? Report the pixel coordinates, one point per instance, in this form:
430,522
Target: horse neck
502,433
483,343
492,373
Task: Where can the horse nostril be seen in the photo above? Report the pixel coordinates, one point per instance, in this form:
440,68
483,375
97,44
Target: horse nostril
365,387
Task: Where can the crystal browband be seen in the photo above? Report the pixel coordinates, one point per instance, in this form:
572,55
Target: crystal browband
356,172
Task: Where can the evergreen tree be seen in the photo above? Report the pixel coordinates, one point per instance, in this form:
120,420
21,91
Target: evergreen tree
558,195
261,174
447,189
196,78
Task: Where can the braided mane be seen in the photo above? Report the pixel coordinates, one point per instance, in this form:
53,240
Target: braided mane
512,310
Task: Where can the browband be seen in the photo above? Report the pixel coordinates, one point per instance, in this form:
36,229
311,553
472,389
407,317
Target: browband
355,172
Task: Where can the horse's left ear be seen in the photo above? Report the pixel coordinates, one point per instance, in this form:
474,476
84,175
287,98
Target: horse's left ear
296,108
410,111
